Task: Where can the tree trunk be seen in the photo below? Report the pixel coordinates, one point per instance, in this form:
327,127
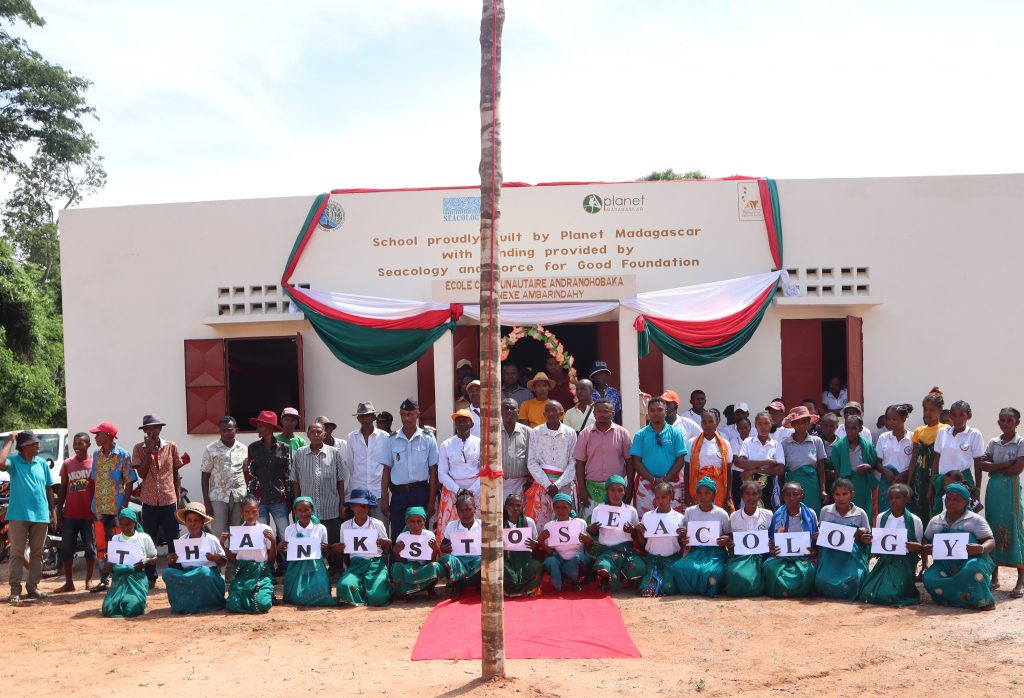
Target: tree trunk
491,497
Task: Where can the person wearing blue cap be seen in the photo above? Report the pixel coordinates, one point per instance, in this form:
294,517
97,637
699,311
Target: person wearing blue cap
365,582
599,375
964,583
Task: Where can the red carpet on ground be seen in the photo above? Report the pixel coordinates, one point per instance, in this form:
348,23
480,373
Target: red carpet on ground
580,625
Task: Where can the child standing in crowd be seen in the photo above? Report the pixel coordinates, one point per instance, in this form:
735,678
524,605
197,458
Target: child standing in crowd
963,583
306,582
839,574
894,448
761,459
743,573
923,457
252,589
791,577
854,459
567,562
408,576
523,572
74,511
365,582
127,596
662,552
702,569
1004,460
958,447
195,586
805,458
891,580
616,560
463,571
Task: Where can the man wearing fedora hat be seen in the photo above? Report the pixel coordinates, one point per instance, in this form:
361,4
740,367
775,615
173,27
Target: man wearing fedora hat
329,426
157,462
267,471
364,460
30,511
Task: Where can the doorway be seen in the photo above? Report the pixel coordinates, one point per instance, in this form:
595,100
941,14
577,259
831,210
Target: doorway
813,351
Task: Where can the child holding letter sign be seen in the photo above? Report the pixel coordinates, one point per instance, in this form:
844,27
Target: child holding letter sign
963,583
127,596
744,575
790,576
616,559
658,533
463,571
840,574
252,589
568,561
195,585
702,570
891,580
411,574
306,582
365,582
523,572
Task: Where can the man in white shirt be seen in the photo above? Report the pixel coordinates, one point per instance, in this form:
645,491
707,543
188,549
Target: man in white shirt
473,393
582,414
363,446
697,401
685,426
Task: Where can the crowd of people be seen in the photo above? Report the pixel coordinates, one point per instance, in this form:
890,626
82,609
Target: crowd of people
388,514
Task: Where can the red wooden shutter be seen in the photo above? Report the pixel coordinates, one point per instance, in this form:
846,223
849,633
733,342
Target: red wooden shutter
206,397
855,360
801,361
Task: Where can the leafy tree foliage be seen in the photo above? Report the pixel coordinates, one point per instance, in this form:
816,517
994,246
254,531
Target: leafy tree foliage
672,174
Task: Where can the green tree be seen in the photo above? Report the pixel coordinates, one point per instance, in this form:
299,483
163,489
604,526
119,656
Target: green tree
672,174
49,162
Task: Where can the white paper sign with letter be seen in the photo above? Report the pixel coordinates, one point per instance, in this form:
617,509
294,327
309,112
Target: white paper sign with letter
750,542
662,525
836,536
191,552
703,533
515,538
245,538
888,541
303,549
564,533
417,547
793,544
466,543
950,546
126,553
360,542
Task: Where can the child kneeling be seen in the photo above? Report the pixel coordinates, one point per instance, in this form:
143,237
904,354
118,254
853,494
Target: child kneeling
196,586
127,595
365,582
252,589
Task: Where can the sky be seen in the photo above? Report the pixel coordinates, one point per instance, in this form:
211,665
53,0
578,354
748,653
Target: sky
226,99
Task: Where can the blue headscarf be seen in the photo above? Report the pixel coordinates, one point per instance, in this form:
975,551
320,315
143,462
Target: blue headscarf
562,497
960,490
612,480
707,482
314,518
129,513
780,520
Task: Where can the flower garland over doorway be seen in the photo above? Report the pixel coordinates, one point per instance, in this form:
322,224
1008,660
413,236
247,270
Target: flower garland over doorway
550,342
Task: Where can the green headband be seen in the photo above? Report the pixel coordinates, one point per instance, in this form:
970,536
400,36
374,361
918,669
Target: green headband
562,497
129,513
415,511
960,490
709,483
615,480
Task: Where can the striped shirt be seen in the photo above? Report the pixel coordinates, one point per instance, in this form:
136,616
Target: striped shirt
318,475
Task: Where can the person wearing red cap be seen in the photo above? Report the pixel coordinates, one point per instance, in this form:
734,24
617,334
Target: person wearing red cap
688,428
112,475
267,470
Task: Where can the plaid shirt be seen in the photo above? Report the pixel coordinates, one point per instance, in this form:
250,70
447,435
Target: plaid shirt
158,486
318,475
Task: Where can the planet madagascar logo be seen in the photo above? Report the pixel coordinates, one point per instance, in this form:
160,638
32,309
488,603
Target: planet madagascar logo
333,216
592,203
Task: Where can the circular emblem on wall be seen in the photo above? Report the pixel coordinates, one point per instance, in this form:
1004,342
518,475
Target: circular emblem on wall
592,203
333,216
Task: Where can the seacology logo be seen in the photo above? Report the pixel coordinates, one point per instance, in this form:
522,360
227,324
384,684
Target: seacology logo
593,203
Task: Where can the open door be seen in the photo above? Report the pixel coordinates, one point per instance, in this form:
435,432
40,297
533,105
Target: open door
801,361
855,359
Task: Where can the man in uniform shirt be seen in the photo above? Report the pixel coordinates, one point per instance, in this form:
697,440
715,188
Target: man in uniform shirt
409,477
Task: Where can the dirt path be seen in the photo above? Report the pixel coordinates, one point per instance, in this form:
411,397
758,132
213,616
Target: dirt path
690,646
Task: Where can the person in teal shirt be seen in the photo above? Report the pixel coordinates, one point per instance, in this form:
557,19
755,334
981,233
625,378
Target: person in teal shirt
30,511
657,454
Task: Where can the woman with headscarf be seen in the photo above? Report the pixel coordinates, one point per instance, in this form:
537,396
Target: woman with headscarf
702,568
127,595
306,582
523,572
790,577
615,559
963,583
409,576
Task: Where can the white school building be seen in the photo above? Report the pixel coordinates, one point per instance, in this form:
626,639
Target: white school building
892,284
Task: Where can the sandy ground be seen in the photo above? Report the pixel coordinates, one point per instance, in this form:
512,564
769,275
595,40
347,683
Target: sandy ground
690,646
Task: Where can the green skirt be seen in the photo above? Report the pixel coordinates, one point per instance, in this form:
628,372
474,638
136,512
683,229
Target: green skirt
807,476
621,562
365,582
963,583
1003,511
657,579
306,583
744,575
409,577
462,571
523,574
788,577
252,589
127,595
864,488
701,571
840,575
194,590
891,581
